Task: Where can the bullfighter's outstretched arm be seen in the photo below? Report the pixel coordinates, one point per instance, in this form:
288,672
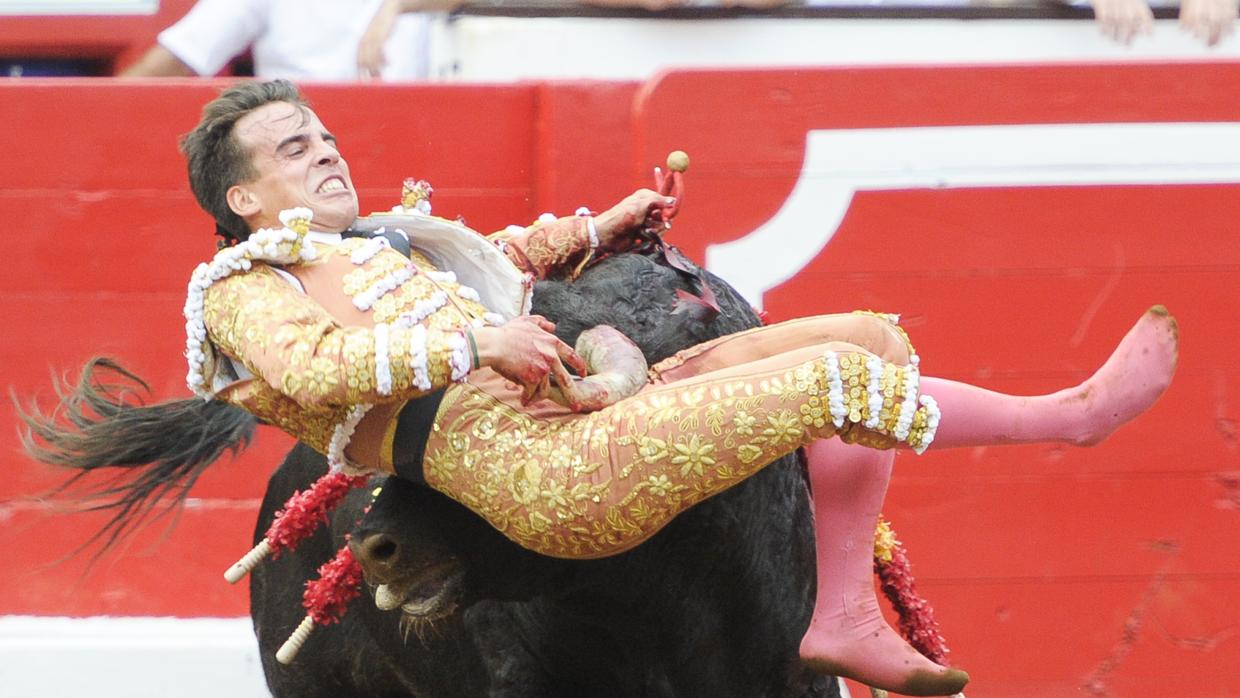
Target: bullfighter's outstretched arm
561,247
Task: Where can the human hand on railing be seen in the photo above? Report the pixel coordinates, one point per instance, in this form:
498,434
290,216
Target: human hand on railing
1208,20
370,58
1123,20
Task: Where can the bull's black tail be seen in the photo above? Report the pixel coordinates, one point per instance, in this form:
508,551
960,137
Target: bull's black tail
146,454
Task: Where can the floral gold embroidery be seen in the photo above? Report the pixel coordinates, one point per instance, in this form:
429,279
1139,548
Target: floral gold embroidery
600,483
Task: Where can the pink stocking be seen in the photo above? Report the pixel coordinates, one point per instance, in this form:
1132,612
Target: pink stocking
1138,371
847,635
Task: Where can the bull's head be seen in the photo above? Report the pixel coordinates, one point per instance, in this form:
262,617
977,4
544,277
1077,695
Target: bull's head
429,557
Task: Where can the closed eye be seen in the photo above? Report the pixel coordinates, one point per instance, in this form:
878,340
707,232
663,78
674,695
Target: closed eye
293,146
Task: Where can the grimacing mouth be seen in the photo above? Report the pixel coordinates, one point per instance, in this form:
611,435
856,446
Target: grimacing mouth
337,182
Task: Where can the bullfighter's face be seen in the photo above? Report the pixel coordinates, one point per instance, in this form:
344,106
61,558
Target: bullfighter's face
298,164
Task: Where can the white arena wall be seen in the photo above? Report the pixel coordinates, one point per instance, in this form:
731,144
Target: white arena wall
481,49
129,658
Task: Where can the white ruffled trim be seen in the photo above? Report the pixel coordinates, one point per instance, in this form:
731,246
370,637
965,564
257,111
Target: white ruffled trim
835,390
342,434
382,287
195,329
383,361
932,423
912,380
468,294
370,248
459,357
417,358
547,218
423,309
276,246
494,319
422,208
289,215
442,277
592,232
874,370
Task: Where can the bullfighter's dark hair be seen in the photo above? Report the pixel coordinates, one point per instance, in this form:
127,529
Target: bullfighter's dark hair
217,160
148,455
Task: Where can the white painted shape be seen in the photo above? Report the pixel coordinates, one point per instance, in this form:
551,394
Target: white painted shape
130,657
482,49
839,163
78,7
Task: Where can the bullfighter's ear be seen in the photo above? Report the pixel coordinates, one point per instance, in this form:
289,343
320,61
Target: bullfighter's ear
243,201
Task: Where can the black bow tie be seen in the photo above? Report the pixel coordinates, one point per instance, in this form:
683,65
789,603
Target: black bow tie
395,239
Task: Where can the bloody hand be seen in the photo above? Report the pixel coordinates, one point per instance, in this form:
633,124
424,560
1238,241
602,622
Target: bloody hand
525,351
640,211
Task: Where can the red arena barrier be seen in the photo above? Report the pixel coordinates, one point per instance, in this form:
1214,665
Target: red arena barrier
1020,218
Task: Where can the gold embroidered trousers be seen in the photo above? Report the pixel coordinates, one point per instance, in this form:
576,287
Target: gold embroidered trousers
596,484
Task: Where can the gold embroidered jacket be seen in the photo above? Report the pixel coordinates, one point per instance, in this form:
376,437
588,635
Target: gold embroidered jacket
367,327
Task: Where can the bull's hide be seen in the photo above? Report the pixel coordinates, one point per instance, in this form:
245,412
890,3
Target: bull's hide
714,605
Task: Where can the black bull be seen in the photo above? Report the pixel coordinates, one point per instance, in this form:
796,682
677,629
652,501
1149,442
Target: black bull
714,605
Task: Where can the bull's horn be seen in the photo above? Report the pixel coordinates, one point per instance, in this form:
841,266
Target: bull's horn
288,651
386,599
247,563
617,371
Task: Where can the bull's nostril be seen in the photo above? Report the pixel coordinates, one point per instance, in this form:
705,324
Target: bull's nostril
378,550
383,550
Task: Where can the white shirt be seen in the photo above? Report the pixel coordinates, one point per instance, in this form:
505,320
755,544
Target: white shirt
296,39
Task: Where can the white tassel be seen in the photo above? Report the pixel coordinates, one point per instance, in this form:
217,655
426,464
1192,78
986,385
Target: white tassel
341,436
835,391
266,245
383,363
932,423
